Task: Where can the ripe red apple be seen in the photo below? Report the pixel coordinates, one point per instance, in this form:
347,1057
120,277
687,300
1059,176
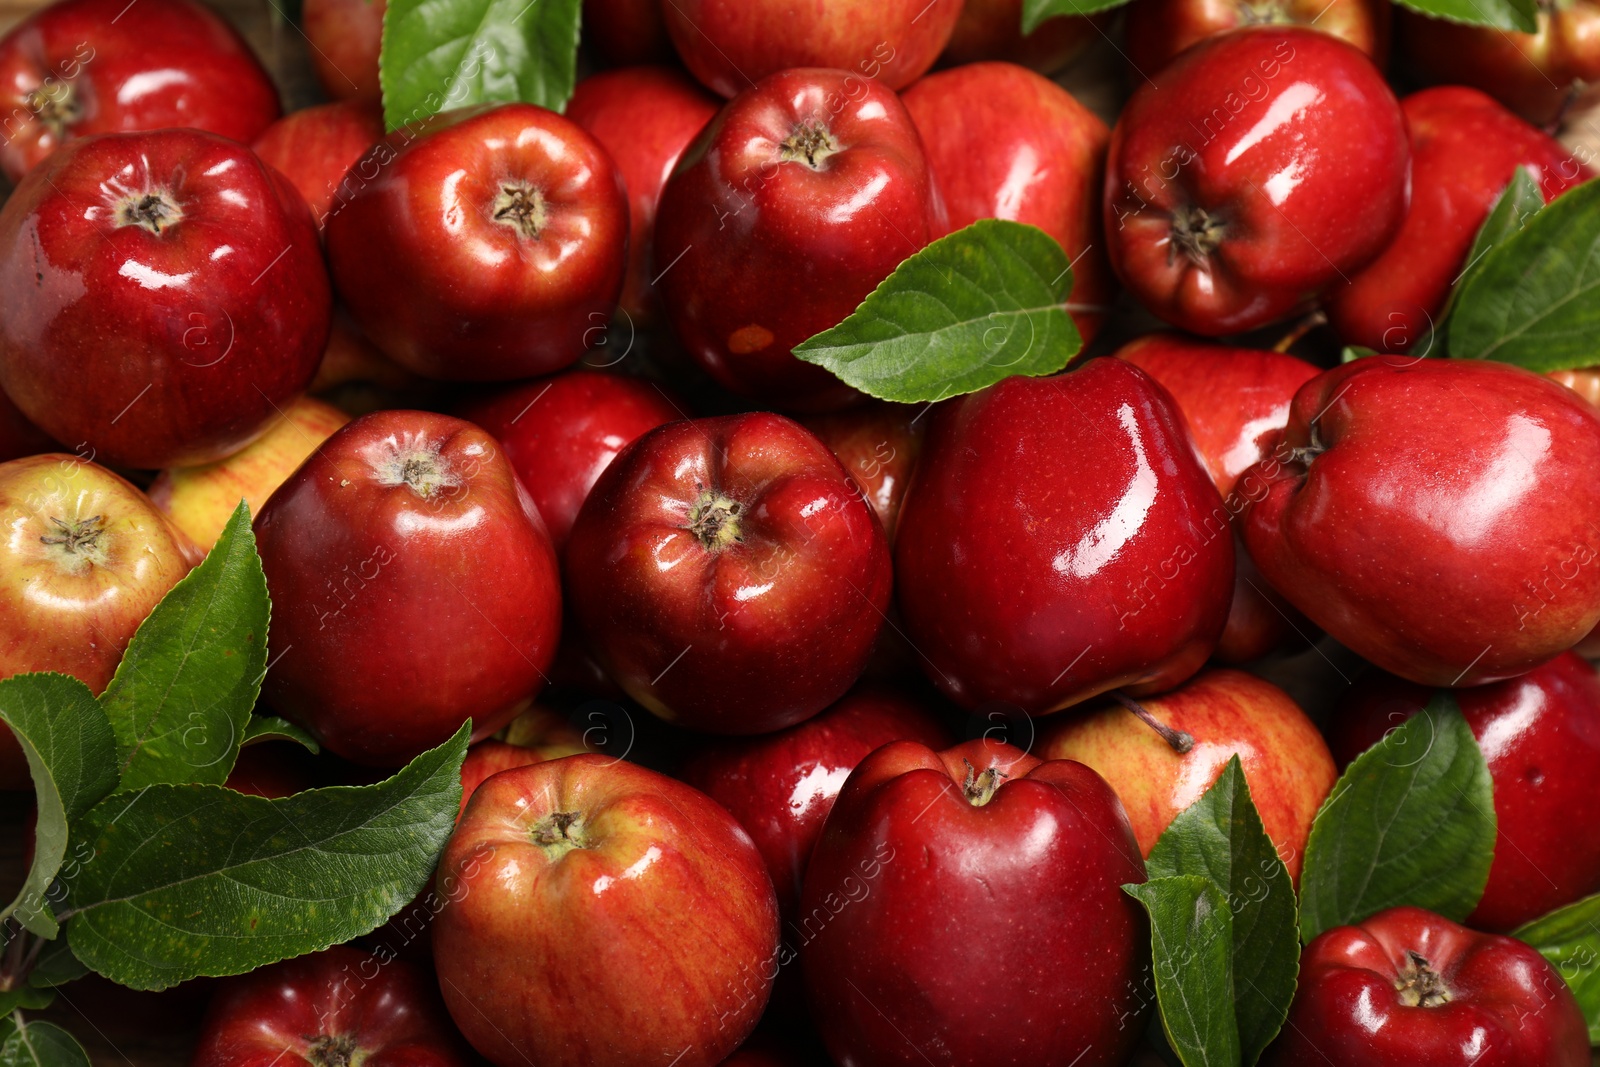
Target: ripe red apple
602,913
802,195
482,244
316,146
879,445
561,432
1250,174
1226,713
945,894
345,36
81,67
1540,734
1159,29
645,117
175,272
488,758
1004,143
728,574
1465,148
18,436
1435,516
628,32
992,29
406,539
1409,987
731,45
1019,584
1585,382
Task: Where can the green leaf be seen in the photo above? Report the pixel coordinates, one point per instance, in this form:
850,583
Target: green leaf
56,966
1351,353
1411,821
1517,203
1191,941
182,694
1500,14
194,880
273,728
984,303
39,1044
26,998
1220,837
438,55
1569,938
72,757
1535,299
1036,11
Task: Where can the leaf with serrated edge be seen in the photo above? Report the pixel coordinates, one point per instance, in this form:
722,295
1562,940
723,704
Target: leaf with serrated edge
192,880
273,728
40,1044
1220,837
984,303
1498,14
72,757
182,694
1518,202
438,55
1410,822
1569,938
1191,941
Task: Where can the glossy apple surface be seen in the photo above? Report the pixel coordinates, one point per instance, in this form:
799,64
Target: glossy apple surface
927,854
992,30
602,913
345,36
1540,735
1159,29
1250,174
1004,143
177,273
1410,484
879,444
81,67
728,575
316,146
482,244
802,195
644,117
377,553
1117,577
1228,713
628,32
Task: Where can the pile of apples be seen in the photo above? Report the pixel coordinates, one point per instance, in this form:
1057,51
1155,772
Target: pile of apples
803,591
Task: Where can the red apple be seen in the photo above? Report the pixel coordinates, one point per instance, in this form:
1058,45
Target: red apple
1585,382
18,436
1435,516
879,445
731,45
645,117
345,36
992,29
177,273
405,539
1004,143
1023,585
628,32
1251,174
728,574
1465,148
482,244
1159,29
602,913
945,894
488,758
1540,734
802,195
81,67
561,432
316,146
1226,713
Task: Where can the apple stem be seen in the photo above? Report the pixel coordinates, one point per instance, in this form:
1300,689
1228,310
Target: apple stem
330,1051
811,143
1419,985
1195,233
1182,743
153,211
981,786
1301,328
714,520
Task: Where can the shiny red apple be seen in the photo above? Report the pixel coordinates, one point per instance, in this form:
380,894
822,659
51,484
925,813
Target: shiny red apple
879,445
1160,29
345,36
316,146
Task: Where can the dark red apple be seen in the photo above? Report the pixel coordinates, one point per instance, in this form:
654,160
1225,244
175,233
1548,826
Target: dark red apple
728,575
1004,143
1159,29
404,540
992,29
18,436
1022,584
488,758
316,146
628,32
879,445
345,36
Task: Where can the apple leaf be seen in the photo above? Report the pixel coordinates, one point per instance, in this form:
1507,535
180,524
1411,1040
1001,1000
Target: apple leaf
984,303
1411,821
1220,837
273,728
192,880
56,966
1517,203
1191,941
1036,11
26,998
1534,300
181,697
1499,14
72,758
438,55
25,1043
1569,938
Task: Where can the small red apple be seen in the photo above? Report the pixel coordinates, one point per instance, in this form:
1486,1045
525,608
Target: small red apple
1159,29
316,146
992,29
879,444
18,436
345,36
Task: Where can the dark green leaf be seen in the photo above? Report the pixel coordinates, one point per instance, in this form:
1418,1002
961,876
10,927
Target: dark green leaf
1535,299
439,55
984,303
25,998
56,966
273,728
1036,11
1517,203
183,692
72,758
39,1044
1569,938
1500,14
194,880
1410,822
1191,941
1220,837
